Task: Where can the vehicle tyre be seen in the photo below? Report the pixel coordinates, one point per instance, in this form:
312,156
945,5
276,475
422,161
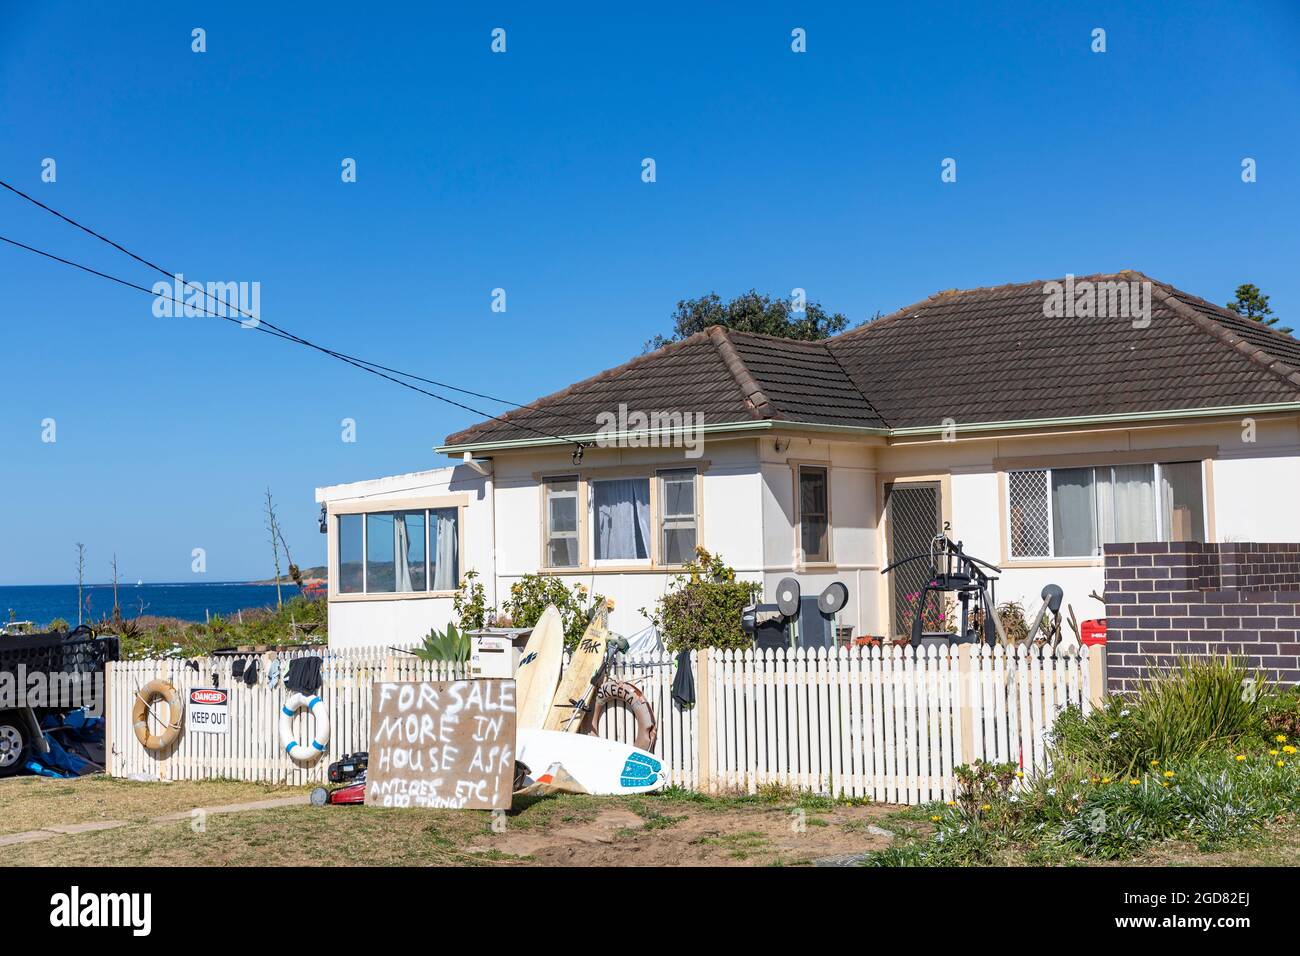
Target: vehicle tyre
13,747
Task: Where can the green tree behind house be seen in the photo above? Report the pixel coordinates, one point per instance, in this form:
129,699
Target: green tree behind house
752,312
1253,304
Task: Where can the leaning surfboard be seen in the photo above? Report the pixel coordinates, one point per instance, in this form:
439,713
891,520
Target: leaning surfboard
539,670
601,766
572,698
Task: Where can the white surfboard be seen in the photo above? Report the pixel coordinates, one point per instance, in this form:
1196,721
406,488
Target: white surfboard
538,672
601,766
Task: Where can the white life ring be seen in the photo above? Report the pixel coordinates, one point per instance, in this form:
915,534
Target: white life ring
320,739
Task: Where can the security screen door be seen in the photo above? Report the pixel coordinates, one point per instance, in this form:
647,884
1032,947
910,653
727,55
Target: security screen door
912,515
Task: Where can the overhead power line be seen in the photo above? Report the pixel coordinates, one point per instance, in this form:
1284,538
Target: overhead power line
263,325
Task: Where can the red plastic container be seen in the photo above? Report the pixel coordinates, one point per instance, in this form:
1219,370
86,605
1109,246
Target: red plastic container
1094,632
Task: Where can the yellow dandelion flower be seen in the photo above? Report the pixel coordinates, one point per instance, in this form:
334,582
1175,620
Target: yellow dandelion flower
1274,752
1164,783
1155,763
986,807
1134,783
1168,774
1288,749
1240,757
1280,738
1105,779
1281,763
1020,773
935,818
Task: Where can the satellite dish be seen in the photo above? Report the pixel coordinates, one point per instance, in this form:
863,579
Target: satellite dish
1053,596
787,596
833,599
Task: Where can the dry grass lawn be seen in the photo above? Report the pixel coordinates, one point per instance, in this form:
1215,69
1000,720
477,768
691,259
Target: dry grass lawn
30,803
675,828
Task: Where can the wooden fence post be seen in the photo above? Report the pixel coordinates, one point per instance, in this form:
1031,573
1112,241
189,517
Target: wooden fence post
1097,675
703,721
109,714
968,715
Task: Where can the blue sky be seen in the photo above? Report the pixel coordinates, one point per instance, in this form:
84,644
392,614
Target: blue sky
476,170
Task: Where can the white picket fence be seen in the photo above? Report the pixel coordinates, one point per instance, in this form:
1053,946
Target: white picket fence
886,724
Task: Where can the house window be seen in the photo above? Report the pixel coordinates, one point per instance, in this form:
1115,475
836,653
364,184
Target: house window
1072,512
561,522
351,573
814,514
620,510
677,516
399,552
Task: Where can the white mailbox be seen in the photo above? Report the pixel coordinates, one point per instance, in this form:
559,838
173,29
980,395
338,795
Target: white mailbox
492,655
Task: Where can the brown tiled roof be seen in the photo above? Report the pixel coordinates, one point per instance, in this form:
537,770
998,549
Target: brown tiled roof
976,356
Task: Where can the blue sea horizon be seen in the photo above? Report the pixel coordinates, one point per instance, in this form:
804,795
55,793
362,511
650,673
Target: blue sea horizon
42,603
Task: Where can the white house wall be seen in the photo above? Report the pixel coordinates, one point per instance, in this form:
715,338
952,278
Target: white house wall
747,513
730,503
1249,488
854,551
384,621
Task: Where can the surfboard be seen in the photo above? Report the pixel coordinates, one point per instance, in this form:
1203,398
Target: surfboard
539,670
573,695
600,766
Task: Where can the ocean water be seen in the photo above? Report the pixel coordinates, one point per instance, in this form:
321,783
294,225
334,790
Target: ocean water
42,603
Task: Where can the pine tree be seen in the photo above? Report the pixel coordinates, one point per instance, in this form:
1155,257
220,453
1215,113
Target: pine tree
1253,304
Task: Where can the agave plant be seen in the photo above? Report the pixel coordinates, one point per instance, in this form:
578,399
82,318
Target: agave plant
450,645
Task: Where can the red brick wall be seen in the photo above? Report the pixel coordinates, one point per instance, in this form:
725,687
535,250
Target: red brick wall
1164,600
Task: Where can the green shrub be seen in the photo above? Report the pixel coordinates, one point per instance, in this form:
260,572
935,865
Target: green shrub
1199,754
59,624
1200,705
530,595
470,604
702,607
450,646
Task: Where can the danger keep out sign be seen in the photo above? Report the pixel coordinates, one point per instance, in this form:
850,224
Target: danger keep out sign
209,711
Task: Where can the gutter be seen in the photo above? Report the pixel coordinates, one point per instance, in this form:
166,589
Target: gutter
643,438
1116,418
607,438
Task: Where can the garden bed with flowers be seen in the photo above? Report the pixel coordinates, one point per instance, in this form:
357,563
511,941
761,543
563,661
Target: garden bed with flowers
1206,755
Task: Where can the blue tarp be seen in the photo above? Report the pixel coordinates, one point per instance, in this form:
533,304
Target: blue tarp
60,761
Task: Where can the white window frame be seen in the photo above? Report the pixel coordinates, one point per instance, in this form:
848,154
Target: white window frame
660,516
365,552
1051,532
806,559
576,534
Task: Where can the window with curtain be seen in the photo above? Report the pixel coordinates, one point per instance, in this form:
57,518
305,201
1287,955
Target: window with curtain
677,515
351,572
814,514
620,509
561,503
444,540
399,552
409,550
1085,508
